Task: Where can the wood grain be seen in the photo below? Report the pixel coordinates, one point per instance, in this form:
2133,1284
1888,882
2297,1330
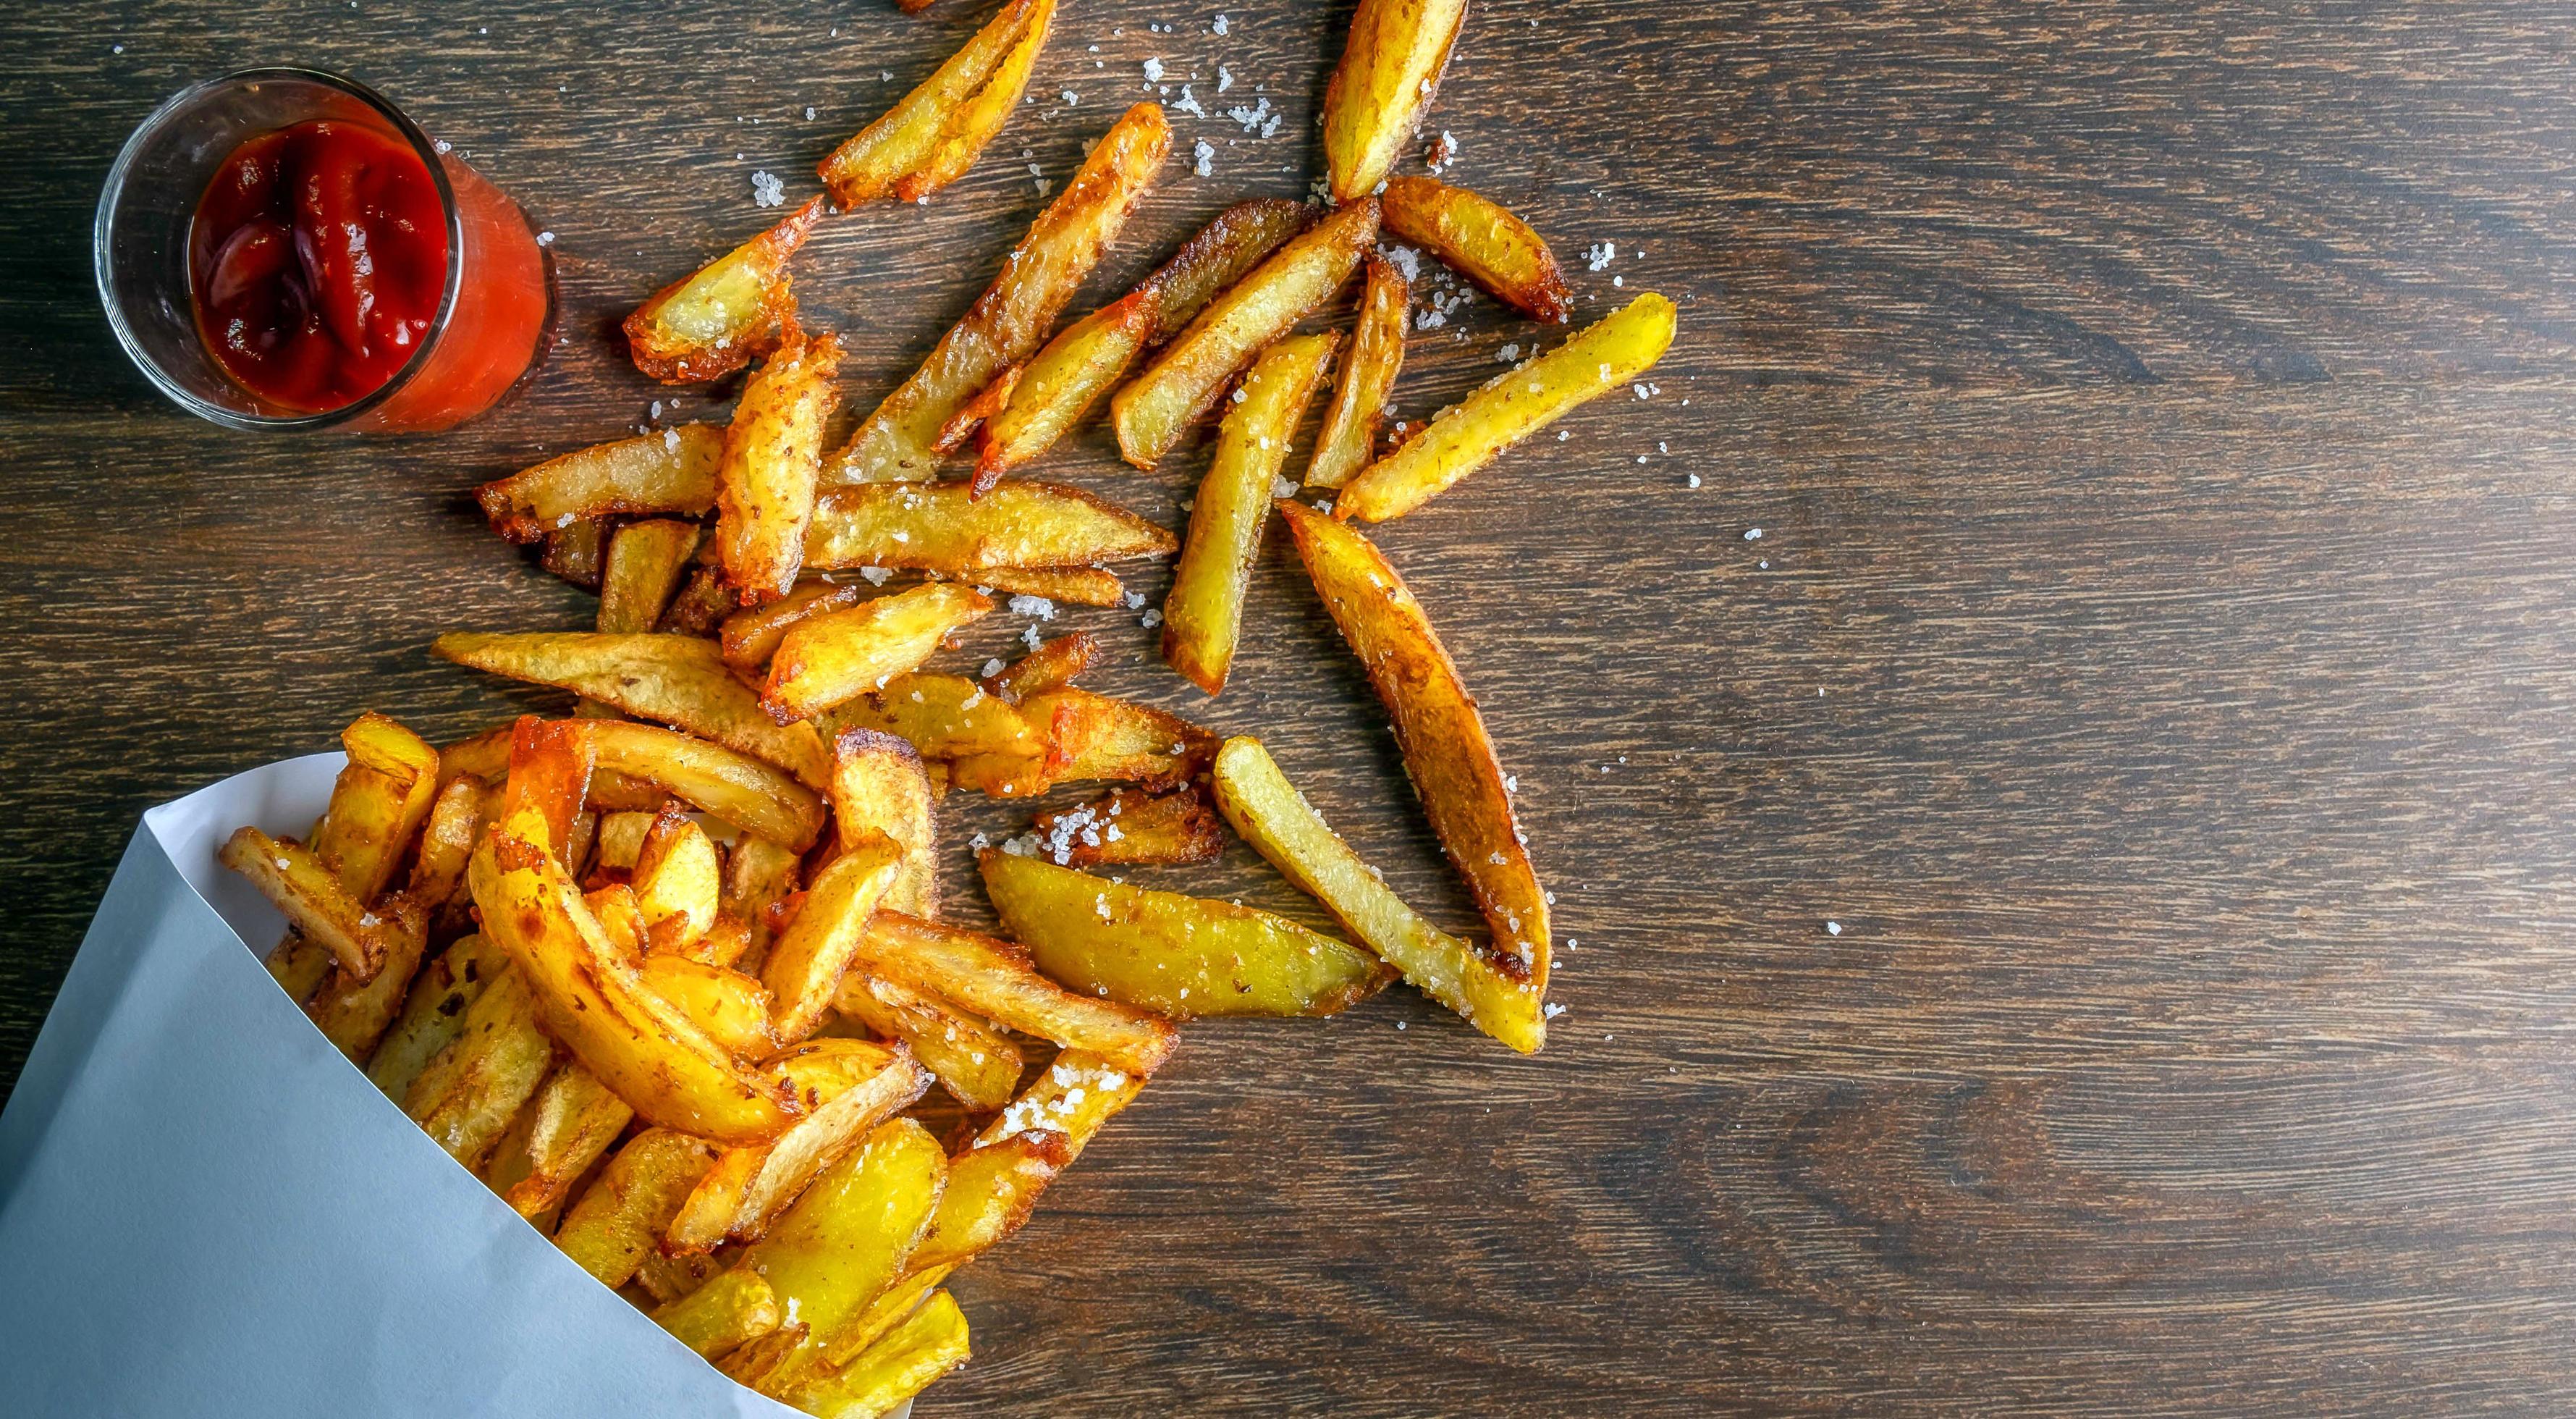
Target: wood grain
2155,660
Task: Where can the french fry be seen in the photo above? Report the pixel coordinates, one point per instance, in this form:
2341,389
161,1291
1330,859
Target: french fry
549,779
899,441
1072,1099
907,1360
1446,751
1509,408
978,1065
1062,382
973,125
1203,615
710,324
645,563
995,980
667,1278
466,1097
1078,586
739,788
1122,741
434,1013
1390,68
676,680
1180,957
1184,382
1493,993
571,1122
620,839
673,471
1051,666
759,875
1481,238
833,658
773,454
943,717
903,146
849,1087
620,1217
879,788
805,963
352,1013
732,1008
376,807
455,816
936,527
733,1307
751,635
679,883
640,1046
1127,827
289,875
1359,402
578,553
621,919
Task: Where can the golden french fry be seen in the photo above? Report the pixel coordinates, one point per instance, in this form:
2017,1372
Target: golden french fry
1218,256
645,562
978,1065
1359,402
549,778
579,553
966,131
1078,586
705,599
455,816
878,787
1390,68
619,1218
739,788
677,680
673,471
751,635
710,324
1482,239
899,441
992,1189
731,1007
354,1014
433,1015
621,919
1052,666
805,963
1129,827
1120,740
759,875
1494,993
1510,407
732,1308
943,717
995,980
849,1087
773,454
289,875
483,757
833,658
1446,751
910,1357
466,1096
939,527
571,1122
377,806
1183,383
678,883
905,142
1203,615
1072,1099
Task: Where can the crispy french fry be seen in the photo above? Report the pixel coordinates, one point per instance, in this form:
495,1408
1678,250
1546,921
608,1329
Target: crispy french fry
652,1055
935,527
1129,827
879,788
1177,956
549,778
676,680
571,1122
673,471
849,1087
289,875
942,716
678,883
978,1065
733,1307
1072,1099
1216,257
995,980
773,454
899,441
466,1097
1479,237
1510,407
1183,383
645,563
739,788
1203,616
377,805
352,1013
759,875
805,963
434,1013
1390,69
1493,993
711,323
1052,666
1446,751
1079,586
731,1007
1359,402
905,142
911,1356
620,840
751,635
1120,740
620,1218
830,659
974,123
455,816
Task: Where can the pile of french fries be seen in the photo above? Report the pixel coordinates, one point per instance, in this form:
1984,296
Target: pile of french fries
670,972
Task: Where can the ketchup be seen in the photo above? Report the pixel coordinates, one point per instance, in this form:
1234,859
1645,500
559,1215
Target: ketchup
317,262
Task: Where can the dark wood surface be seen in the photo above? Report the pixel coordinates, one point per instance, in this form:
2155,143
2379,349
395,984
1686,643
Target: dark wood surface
2156,658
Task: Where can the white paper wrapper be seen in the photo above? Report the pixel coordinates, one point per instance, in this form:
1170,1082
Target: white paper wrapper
206,1210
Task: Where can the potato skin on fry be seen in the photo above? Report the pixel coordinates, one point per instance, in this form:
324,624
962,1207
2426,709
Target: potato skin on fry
673,471
1129,827
942,527
709,324
1390,68
1475,234
903,146
773,454
1351,420
833,658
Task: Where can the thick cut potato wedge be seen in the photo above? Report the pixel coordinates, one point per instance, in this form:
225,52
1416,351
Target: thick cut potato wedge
1203,615
1351,421
1177,956
937,527
288,874
1072,1099
676,680
966,132
354,1014
1052,666
806,962
879,789
849,1087
1494,994
751,635
1390,69
1511,407
833,658
678,883
1446,751
1120,741
376,806
1128,827
759,875
731,1007
1077,586
641,1046
978,1065
731,1309
903,146
433,1015
739,788
455,818
704,601
992,1189
549,779
673,471
849,1235
710,324
909,1358
773,454
465,1098
1479,237
572,1121
620,839
1152,413
995,980
899,442
1216,258
943,717
620,1217
645,563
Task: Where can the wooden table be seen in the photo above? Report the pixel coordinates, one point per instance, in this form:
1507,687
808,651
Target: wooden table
2073,917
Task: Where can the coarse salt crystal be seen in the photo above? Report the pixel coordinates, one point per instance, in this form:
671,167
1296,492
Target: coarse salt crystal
1038,606
1205,152
876,576
1218,25
992,667
1282,488
1833,928
1753,534
1150,619
1153,71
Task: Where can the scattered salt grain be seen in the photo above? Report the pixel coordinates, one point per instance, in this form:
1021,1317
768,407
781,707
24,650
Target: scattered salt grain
1150,619
1224,78
1753,534
545,238
1029,637
1509,353
877,576
1282,488
1600,257
1071,99
1038,606
1206,154
1218,25
1691,482
1554,1010
1153,71
1833,928
992,667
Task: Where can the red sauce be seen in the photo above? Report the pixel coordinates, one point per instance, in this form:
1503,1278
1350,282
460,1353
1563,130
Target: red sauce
317,262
